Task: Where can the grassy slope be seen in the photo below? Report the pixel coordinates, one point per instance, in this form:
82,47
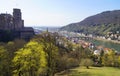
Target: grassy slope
96,71
93,71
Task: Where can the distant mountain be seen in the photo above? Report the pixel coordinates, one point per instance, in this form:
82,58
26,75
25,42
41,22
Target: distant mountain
100,24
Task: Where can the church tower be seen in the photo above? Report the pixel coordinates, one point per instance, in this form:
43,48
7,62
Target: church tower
17,19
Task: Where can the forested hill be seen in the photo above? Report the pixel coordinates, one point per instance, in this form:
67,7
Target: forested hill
108,21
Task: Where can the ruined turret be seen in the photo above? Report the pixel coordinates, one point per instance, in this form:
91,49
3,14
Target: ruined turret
17,19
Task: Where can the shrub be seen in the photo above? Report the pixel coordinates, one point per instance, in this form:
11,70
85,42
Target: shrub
86,62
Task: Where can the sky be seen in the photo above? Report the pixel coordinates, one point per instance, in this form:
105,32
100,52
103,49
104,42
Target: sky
57,12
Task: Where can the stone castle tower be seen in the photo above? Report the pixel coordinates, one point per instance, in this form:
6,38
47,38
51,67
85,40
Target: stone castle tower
10,22
17,19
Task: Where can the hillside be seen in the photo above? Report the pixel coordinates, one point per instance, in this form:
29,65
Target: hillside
108,21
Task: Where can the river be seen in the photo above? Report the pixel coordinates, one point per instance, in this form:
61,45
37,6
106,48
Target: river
107,44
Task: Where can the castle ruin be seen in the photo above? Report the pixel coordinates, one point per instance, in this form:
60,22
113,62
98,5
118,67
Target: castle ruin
15,25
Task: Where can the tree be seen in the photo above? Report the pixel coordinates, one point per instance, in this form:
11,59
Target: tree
118,61
86,62
30,60
49,40
66,62
109,59
13,46
7,53
4,64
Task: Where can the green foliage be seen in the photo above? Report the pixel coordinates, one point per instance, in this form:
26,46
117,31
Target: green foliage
65,63
119,60
44,56
48,41
7,54
30,60
4,64
86,62
110,59
100,29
